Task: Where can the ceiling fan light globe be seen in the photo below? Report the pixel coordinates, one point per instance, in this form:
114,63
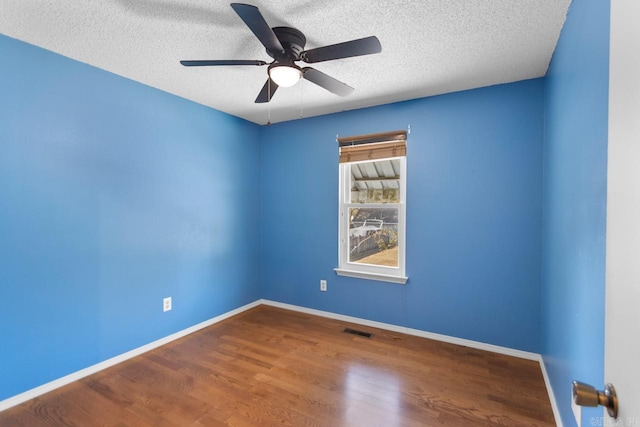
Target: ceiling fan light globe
285,75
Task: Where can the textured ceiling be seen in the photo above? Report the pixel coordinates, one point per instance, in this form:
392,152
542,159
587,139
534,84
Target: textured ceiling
429,47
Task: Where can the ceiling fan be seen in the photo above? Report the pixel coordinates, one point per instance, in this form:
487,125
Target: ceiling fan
285,45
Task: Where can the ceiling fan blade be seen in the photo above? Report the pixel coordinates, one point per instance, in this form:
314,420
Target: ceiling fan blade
365,46
266,94
255,21
221,62
326,81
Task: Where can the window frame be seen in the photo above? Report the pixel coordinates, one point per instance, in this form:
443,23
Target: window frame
370,271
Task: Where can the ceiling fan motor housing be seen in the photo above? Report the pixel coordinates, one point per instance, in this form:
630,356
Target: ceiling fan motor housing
292,41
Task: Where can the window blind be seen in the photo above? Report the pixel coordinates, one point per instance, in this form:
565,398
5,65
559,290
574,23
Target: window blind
373,146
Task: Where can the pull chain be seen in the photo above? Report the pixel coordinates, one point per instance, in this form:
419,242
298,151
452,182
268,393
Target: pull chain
269,102
300,100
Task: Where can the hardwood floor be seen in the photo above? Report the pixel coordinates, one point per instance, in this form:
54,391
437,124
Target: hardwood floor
268,367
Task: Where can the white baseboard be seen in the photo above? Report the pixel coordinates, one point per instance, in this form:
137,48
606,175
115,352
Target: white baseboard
438,337
50,386
409,331
552,396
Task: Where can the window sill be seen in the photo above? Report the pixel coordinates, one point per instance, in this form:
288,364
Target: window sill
371,276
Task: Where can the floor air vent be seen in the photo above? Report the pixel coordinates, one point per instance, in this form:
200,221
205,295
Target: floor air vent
359,333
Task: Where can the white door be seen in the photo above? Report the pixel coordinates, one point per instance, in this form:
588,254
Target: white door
622,329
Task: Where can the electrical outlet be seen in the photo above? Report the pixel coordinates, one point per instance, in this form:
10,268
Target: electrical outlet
323,285
166,304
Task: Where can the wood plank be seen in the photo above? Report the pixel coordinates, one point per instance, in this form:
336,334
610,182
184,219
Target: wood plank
270,366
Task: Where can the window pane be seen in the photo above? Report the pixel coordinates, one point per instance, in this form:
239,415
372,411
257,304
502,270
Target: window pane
375,182
373,236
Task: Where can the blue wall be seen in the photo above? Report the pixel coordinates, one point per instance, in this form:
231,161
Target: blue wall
574,204
113,195
474,202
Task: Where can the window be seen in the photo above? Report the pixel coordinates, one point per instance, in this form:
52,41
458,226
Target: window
372,207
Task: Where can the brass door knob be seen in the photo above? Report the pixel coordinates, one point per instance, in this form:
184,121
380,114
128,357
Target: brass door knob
586,395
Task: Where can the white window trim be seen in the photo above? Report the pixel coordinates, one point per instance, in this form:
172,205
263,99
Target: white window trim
363,271
371,276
